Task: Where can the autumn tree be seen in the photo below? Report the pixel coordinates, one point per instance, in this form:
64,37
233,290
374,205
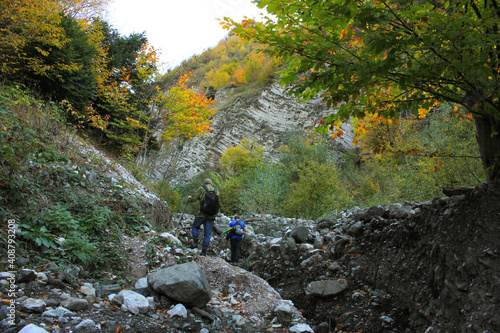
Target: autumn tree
65,51
84,9
125,97
236,159
184,113
76,80
29,22
384,58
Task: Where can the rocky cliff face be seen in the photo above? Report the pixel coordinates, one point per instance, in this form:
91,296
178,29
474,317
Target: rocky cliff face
263,117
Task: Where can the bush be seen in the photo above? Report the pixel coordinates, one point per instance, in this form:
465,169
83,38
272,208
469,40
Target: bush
165,191
78,249
317,191
263,191
413,159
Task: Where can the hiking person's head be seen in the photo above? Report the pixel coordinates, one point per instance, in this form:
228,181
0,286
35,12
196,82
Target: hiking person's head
207,181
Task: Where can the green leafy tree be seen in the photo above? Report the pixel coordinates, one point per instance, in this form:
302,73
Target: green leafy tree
263,191
29,22
230,192
236,160
310,177
317,191
126,97
300,149
420,155
389,57
77,81
121,50
169,194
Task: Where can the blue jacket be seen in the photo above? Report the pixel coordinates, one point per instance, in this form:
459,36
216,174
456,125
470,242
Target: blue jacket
233,223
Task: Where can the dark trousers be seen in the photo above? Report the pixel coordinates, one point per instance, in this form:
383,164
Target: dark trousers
236,249
208,226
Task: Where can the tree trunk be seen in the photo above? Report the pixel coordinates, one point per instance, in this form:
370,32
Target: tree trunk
488,139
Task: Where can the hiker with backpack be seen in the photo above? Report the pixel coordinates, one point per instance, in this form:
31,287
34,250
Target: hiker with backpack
238,229
208,198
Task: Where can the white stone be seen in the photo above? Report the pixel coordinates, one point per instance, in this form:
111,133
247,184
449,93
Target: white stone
42,278
86,325
141,283
33,305
57,313
240,320
88,290
178,310
134,302
275,242
300,328
171,238
6,275
285,306
32,328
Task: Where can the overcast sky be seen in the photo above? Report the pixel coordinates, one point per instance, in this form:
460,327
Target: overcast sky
179,28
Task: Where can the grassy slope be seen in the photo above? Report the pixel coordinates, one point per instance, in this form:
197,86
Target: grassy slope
66,208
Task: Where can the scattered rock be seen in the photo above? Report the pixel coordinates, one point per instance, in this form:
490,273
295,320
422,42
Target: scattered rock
31,328
326,288
133,302
178,310
185,283
33,305
75,304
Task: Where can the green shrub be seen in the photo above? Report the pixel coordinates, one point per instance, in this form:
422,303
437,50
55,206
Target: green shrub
97,220
230,196
264,190
59,220
39,234
78,249
171,195
317,191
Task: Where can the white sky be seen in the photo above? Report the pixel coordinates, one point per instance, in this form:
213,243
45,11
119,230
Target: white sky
178,28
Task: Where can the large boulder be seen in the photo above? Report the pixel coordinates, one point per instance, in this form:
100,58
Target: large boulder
185,283
370,214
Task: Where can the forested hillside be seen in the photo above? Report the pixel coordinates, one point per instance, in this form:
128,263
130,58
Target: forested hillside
409,158
234,62
109,85
109,88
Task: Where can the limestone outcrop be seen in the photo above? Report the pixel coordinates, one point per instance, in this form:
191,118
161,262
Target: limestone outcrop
262,117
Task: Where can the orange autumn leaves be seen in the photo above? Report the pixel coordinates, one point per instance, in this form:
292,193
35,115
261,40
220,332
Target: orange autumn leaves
185,113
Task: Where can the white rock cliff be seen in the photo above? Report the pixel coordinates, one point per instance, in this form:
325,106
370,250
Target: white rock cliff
263,118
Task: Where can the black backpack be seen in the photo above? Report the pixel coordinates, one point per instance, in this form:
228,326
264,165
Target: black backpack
210,203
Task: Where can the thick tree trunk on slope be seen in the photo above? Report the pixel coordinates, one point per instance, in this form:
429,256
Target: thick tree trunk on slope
488,139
